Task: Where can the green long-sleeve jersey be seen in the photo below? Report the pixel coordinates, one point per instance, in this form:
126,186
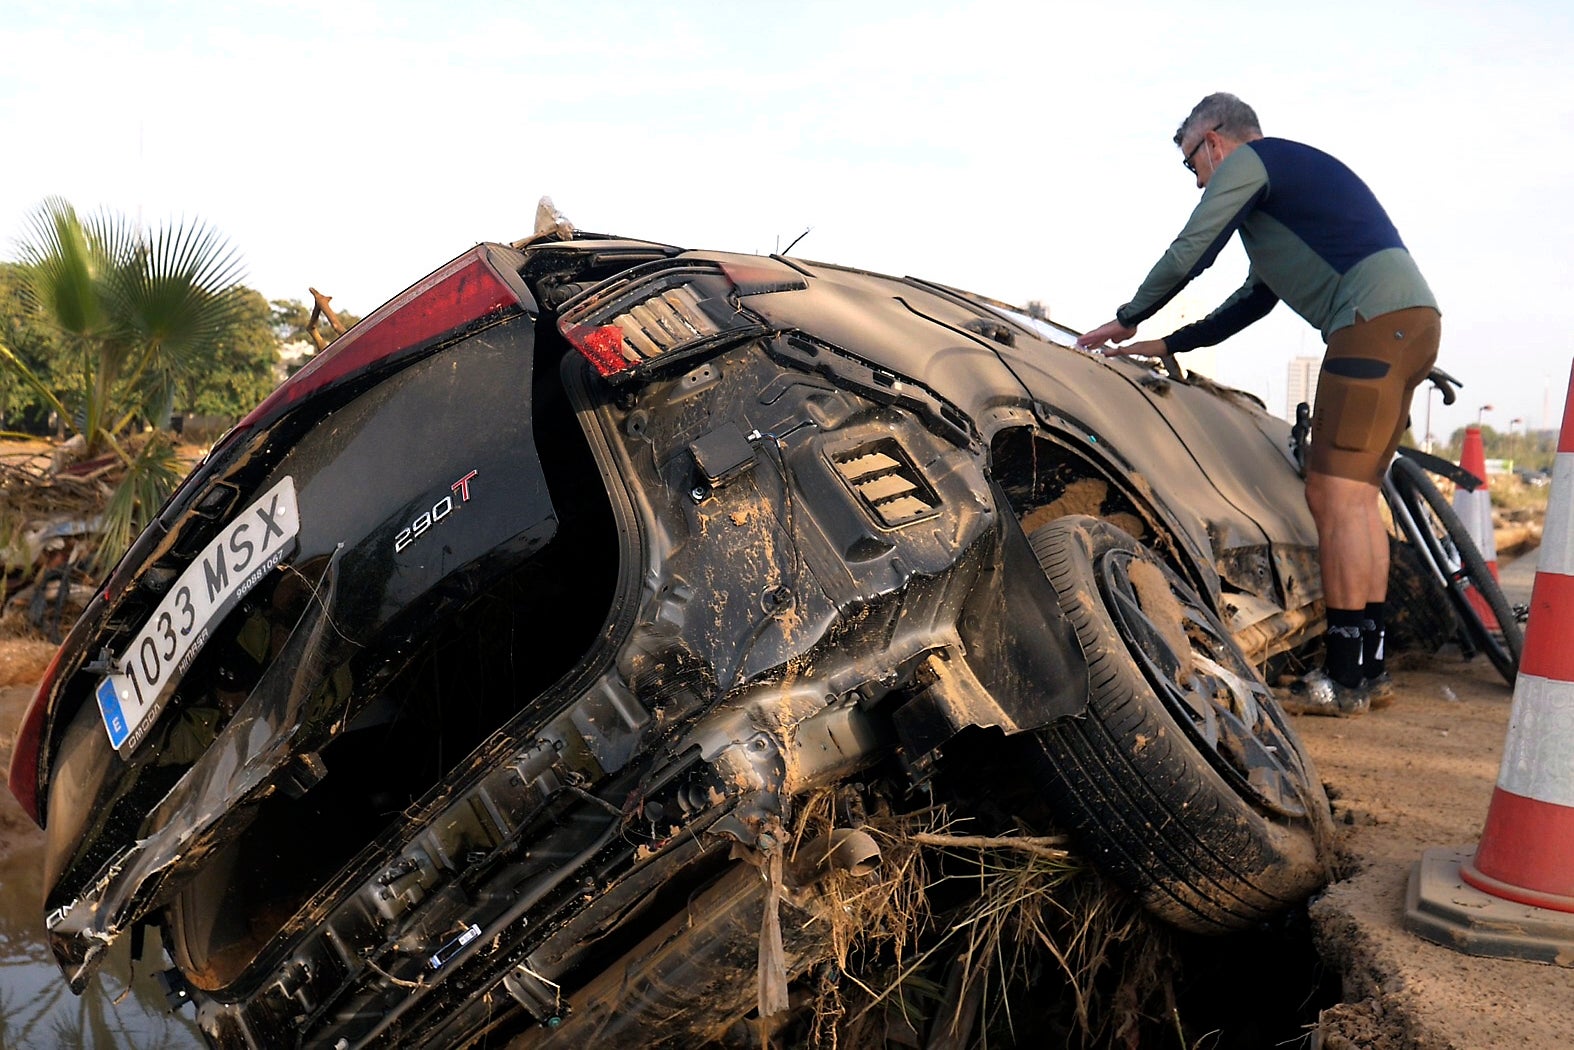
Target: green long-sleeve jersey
1316,237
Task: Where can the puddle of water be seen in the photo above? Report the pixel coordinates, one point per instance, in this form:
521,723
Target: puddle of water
37,1009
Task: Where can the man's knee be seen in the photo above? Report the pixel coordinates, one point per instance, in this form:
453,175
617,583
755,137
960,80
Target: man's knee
1322,494
1332,498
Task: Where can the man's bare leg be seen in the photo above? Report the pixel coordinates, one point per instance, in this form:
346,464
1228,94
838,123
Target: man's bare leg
1353,551
1377,537
1351,538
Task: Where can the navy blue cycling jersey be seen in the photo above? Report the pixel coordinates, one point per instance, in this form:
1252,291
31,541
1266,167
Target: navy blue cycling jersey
1316,237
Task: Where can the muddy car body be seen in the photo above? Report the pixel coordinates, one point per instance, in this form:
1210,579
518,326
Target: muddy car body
470,684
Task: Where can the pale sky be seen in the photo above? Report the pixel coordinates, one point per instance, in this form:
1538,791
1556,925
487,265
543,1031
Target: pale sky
1019,150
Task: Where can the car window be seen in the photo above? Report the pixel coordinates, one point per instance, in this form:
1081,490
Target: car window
1042,327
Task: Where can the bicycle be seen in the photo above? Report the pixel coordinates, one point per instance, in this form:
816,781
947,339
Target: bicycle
1427,521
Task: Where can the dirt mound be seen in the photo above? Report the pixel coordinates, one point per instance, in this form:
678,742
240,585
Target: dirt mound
17,832
22,664
24,660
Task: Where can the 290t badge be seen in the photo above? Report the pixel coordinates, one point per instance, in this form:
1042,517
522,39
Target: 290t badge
439,510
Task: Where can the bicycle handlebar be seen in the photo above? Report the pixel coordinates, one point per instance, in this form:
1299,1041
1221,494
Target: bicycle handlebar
1446,383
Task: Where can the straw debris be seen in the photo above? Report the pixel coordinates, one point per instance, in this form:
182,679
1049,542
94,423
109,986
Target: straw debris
938,946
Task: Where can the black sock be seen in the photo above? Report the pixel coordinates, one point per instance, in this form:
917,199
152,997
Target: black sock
1372,639
1343,644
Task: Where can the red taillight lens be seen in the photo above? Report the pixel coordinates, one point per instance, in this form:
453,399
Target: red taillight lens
23,775
467,290
668,311
602,345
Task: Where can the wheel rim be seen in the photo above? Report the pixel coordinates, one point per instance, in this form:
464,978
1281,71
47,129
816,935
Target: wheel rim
1214,697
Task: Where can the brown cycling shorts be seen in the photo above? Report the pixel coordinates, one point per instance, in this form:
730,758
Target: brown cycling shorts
1363,391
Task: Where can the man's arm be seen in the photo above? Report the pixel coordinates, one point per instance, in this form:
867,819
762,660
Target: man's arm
1235,189
1232,193
1249,304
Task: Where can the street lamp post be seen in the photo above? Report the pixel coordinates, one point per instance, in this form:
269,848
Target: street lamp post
1426,436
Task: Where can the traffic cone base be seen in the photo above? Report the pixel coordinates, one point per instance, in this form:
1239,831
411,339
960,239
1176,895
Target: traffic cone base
1531,842
1444,909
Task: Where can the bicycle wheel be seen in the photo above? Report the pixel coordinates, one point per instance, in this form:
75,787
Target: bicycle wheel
1464,569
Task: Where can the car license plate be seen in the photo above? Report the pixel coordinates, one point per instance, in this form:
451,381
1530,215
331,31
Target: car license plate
145,674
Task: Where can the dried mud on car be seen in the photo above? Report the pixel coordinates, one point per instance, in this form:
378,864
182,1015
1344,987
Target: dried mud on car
664,566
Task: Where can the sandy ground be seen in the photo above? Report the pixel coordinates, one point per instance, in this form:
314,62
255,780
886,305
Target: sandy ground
22,663
1405,779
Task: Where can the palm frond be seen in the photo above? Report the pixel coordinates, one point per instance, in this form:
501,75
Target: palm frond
115,235
174,288
150,478
142,308
63,263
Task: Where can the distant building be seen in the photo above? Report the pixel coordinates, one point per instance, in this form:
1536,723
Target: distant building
292,356
1302,384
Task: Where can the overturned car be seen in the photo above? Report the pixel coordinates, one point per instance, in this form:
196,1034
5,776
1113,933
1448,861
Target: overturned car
473,684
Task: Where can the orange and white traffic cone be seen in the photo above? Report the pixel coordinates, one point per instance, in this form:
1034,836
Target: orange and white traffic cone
1475,512
1515,896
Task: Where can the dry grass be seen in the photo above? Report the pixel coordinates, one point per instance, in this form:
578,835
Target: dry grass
954,927
1511,494
34,493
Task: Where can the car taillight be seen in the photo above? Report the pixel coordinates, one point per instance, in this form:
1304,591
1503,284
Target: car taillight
602,346
669,310
23,775
469,290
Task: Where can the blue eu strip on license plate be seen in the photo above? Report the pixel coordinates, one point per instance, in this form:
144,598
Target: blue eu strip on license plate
114,720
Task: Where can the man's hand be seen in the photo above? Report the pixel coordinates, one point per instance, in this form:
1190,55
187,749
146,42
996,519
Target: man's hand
1113,332
1146,348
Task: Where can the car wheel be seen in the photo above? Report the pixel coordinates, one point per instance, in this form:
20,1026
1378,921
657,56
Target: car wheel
1182,779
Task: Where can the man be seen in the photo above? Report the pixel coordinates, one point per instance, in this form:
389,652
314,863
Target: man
1318,239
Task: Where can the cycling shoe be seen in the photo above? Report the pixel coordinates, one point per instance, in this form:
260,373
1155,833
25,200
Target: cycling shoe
1315,693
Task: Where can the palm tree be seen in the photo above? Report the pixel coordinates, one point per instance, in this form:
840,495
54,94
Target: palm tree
135,311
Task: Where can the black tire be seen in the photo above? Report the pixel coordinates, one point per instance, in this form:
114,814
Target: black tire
1464,569
1200,800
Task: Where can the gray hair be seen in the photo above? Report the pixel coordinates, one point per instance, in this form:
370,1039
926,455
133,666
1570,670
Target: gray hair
1224,111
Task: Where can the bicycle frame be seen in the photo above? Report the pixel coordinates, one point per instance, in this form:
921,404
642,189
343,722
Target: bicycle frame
1411,529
